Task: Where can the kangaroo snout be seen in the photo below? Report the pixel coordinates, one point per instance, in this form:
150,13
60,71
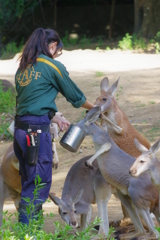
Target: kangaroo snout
74,224
132,172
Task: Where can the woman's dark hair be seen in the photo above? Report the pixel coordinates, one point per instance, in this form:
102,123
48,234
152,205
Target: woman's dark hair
37,44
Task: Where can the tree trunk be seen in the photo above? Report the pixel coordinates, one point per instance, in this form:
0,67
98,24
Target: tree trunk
55,14
151,18
112,18
138,15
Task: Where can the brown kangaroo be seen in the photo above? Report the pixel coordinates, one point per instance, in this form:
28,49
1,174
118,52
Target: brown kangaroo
118,126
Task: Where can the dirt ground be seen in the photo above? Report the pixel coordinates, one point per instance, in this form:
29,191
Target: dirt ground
138,95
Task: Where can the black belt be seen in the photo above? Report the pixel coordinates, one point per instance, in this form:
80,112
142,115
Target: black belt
31,128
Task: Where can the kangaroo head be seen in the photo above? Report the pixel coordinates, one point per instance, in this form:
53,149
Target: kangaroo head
67,209
146,161
86,124
105,100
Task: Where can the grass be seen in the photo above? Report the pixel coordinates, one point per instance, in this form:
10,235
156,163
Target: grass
152,102
139,104
152,133
99,74
7,110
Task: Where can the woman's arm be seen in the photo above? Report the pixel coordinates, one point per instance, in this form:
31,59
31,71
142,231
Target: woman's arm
88,105
62,123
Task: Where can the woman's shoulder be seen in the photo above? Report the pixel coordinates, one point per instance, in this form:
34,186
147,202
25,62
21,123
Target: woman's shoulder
46,59
52,63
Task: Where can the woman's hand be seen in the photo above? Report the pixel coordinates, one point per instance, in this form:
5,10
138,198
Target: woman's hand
62,123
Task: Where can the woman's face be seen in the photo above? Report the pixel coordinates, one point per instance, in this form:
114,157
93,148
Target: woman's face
54,51
57,53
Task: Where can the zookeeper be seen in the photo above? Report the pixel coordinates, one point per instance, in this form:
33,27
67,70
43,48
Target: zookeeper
38,80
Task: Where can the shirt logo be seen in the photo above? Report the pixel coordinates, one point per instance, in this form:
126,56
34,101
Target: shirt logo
25,77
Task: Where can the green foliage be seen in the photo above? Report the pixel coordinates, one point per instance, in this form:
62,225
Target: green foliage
7,101
111,230
157,37
65,39
11,13
10,50
73,41
7,106
108,48
152,102
84,42
126,42
158,229
132,42
99,74
33,231
70,42
151,41
3,129
138,43
157,47
85,234
100,41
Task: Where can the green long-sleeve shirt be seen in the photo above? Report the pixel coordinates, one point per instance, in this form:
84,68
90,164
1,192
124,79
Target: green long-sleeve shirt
38,86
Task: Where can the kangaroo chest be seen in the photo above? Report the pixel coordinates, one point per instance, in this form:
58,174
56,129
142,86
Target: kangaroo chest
114,171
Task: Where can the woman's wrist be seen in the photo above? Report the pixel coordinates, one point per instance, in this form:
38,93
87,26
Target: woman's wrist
88,105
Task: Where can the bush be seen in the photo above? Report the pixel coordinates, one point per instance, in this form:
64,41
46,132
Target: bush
7,109
7,101
10,50
138,43
126,42
84,42
34,231
157,37
157,47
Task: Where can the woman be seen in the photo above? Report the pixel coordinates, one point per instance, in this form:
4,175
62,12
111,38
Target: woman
38,80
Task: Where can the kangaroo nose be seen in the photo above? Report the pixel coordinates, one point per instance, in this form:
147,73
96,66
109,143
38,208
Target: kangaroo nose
74,223
132,172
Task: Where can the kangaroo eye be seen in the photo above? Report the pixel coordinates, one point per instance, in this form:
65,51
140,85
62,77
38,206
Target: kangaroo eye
141,161
104,99
75,211
64,213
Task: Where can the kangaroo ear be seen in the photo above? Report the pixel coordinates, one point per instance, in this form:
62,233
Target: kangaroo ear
92,115
139,146
154,149
104,85
78,196
56,200
113,88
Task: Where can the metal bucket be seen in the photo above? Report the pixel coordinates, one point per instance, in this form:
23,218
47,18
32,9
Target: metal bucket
72,138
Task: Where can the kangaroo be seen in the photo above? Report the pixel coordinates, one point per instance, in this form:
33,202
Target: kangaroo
10,180
114,120
83,187
147,162
113,116
138,195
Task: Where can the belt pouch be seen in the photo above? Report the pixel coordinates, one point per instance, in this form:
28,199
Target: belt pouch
32,154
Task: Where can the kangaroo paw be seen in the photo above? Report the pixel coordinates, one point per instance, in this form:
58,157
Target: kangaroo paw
54,165
88,165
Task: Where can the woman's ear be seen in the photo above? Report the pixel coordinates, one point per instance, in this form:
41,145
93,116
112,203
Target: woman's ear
52,48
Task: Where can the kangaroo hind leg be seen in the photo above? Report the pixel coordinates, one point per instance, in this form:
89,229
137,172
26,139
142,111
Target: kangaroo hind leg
139,230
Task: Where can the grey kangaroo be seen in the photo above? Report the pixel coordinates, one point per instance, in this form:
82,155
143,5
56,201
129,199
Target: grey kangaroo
83,187
138,195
